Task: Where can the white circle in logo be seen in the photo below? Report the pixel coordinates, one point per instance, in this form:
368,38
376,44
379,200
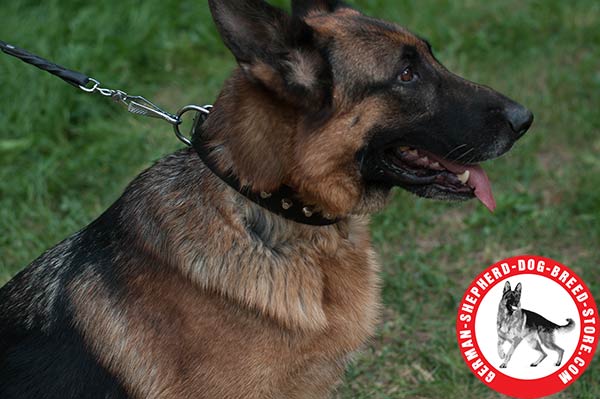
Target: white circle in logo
545,298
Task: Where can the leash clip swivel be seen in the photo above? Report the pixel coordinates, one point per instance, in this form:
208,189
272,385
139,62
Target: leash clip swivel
139,105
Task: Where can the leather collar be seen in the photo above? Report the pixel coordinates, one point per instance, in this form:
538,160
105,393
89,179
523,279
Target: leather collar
283,202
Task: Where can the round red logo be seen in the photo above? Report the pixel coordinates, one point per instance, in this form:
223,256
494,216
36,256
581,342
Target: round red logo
528,327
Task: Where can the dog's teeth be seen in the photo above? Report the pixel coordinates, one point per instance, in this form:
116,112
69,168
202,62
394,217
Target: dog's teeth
435,165
413,153
423,161
464,177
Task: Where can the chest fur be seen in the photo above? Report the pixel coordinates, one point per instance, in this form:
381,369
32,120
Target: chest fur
511,325
253,322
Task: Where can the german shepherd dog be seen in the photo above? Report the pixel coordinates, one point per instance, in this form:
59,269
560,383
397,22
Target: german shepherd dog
185,288
516,324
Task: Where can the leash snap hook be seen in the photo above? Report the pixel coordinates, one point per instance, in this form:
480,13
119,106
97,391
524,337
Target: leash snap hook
202,112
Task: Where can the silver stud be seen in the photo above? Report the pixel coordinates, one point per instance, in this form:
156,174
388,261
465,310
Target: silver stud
307,211
265,195
286,204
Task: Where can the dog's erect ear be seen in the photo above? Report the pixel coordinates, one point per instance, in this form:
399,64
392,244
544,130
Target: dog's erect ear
506,287
518,291
302,8
272,48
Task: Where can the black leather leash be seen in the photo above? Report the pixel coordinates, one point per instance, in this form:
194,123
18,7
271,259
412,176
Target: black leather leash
283,202
74,78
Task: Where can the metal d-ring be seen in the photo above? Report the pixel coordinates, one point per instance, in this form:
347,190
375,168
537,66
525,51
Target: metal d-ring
202,112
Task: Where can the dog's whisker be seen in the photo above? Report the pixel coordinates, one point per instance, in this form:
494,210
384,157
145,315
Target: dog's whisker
465,154
453,150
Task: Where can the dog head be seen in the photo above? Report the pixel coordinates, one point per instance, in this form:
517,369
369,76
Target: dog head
343,107
511,299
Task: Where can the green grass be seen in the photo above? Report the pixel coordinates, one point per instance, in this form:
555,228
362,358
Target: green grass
65,156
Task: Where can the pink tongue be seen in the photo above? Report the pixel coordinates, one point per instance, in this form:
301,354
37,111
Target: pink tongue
478,180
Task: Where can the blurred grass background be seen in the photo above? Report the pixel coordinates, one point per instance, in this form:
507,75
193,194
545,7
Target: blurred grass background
65,156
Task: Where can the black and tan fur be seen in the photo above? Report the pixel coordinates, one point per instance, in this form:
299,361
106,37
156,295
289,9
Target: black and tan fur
516,324
185,289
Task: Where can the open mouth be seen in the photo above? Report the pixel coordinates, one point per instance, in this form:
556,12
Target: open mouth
430,175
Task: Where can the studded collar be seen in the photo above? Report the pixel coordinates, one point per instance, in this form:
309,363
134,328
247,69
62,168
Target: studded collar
283,202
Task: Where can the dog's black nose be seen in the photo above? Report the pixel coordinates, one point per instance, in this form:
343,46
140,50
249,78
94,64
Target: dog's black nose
519,118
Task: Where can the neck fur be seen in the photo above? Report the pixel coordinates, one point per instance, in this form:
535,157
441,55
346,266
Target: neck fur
252,134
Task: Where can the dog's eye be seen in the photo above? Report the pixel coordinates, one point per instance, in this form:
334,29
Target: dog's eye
407,75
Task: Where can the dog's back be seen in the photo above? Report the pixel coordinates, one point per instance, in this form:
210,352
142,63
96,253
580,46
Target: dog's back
43,351
42,354
537,322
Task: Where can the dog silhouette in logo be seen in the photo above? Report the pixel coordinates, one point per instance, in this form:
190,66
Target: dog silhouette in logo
516,324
